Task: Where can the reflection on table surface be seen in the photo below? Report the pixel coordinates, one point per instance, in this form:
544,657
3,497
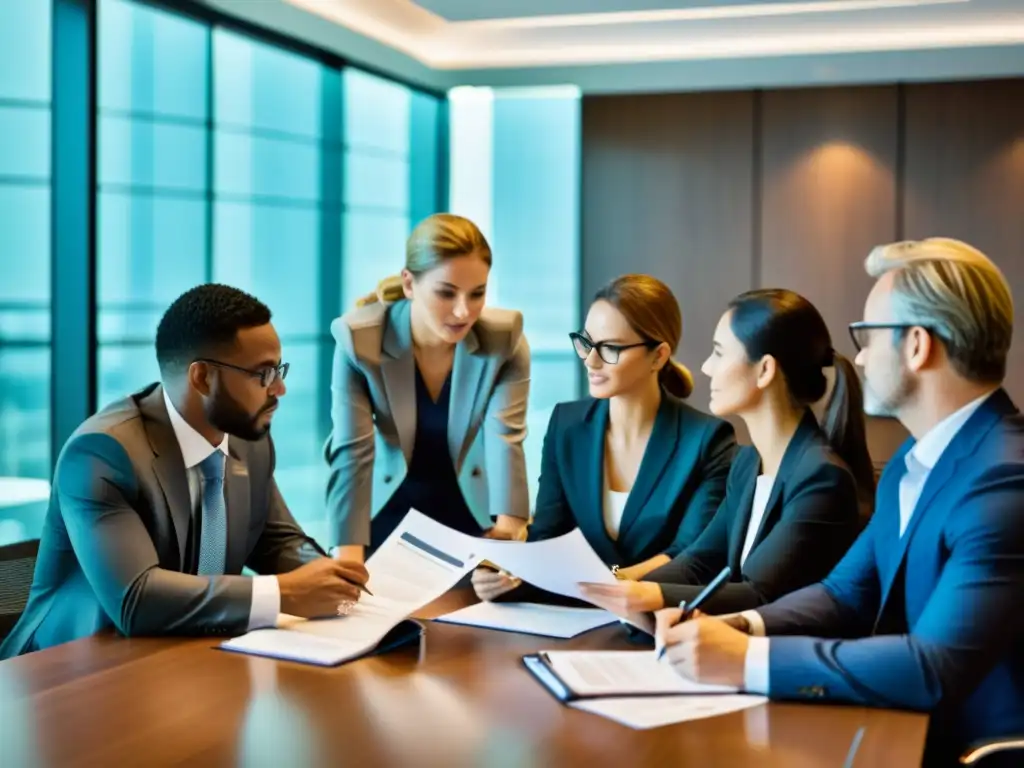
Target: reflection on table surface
462,698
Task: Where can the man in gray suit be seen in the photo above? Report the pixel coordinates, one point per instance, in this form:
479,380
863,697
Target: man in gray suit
160,499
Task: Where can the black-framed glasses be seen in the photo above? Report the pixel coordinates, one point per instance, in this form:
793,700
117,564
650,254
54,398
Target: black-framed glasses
267,375
606,351
860,331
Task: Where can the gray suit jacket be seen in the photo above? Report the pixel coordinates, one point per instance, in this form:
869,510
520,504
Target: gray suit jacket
373,410
113,546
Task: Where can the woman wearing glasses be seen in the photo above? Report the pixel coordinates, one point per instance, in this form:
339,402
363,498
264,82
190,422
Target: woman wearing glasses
791,506
636,469
420,370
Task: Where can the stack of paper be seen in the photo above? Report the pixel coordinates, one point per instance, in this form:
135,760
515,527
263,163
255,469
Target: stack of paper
418,563
531,619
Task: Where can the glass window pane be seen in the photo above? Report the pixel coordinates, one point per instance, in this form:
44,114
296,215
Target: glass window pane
125,369
253,165
374,247
151,250
151,61
25,44
377,112
262,87
301,472
377,181
272,253
25,244
24,142
151,154
24,441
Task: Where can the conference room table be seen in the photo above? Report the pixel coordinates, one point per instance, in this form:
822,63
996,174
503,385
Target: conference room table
461,698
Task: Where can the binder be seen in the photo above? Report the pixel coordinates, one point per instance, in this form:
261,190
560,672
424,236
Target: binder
647,676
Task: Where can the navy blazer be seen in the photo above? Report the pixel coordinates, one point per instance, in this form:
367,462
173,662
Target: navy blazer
936,612
678,487
811,519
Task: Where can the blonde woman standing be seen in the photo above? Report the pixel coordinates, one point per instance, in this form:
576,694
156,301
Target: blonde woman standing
421,369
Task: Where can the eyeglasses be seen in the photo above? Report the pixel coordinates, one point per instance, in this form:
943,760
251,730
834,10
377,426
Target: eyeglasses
859,331
267,374
606,351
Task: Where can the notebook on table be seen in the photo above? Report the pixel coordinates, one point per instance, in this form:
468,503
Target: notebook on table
577,675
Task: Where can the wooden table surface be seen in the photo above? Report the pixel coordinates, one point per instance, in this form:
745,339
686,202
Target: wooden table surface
461,699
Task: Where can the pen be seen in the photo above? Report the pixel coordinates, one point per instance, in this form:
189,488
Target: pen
716,584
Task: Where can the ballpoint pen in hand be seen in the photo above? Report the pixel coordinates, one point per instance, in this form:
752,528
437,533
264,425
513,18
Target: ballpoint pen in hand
688,608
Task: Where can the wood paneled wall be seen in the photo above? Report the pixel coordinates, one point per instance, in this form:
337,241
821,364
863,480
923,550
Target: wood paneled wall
716,193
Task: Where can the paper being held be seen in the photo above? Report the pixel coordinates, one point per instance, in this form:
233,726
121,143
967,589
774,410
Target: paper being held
656,711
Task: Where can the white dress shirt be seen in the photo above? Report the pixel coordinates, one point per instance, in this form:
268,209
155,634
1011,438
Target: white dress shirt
762,492
266,594
614,506
920,460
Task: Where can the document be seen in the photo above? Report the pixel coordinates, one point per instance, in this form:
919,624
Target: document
418,563
656,711
531,619
573,675
556,565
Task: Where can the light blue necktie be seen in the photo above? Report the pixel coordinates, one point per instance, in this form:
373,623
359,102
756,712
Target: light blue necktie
213,546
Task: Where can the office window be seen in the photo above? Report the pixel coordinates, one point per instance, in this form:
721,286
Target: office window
515,170
152,169
270,109
378,116
25,86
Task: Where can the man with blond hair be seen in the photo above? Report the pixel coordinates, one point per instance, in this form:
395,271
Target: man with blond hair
924,612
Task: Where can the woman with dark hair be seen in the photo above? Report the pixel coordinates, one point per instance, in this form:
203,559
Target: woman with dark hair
636,469
840,413
791,505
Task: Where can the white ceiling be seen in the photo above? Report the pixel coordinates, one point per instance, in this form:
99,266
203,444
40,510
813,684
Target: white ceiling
616,45
652,31
468,10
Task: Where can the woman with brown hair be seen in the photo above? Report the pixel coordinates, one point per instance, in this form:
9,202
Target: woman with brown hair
421,368
791,504
636,469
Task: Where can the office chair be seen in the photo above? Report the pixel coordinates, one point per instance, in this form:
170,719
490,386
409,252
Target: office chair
17,564
976,755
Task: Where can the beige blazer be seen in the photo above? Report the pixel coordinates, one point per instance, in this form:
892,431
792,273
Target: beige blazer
373,413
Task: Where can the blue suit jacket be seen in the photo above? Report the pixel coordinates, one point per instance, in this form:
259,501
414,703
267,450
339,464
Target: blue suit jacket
680,483
935,617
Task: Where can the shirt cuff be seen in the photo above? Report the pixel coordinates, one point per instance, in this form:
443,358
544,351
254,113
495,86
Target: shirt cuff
266,602
755,667
755,622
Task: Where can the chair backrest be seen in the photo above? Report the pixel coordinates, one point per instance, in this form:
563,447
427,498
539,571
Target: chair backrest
17,565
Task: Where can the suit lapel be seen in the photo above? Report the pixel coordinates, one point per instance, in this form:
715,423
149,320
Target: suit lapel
587,463
661,449
467,370
237,500
745,503
398,369
961,447
804,436
168,465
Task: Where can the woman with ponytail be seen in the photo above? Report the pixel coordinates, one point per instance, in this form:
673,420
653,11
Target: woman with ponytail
421,370
791,505
639,471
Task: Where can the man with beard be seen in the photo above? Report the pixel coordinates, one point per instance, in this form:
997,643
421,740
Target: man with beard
924,612
160,499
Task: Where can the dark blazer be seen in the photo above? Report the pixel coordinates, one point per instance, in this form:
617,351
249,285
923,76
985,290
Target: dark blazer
114,543
680,483
935,613
811,519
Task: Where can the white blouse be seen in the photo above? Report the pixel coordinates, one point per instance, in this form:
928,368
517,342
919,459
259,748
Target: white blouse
762,493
